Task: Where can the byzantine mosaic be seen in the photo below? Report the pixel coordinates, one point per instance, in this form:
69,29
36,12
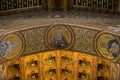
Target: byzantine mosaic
84,39
35,37
34,40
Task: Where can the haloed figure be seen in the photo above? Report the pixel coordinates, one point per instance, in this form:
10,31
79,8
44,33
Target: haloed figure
113,47
59,40
6,47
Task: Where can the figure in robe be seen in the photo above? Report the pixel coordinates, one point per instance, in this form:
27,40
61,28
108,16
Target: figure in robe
113,47
6,47
59,41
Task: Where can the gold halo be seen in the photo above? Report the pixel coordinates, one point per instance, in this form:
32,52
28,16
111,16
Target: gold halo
101,40
67,32
13,39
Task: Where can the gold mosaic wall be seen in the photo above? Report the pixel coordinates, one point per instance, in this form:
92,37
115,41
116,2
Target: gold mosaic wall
84,39
60,37
59,65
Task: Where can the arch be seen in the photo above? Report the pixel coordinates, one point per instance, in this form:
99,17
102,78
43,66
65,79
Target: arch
71,37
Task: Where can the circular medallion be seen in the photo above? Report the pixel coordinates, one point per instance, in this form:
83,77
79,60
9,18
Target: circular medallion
107,45
59,37
11,45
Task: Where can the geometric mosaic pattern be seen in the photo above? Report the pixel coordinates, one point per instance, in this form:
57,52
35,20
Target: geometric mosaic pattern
34,40
84,39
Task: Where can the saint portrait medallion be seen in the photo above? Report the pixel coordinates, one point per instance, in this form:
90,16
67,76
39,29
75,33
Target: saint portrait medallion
59,37
107,45
11,45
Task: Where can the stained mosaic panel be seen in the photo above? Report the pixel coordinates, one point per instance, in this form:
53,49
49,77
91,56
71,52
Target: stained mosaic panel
84,39
11,45
107,45
34,39
59,37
